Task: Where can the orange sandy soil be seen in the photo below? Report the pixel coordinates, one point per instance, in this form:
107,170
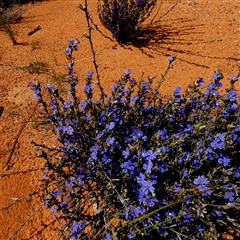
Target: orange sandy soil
203,34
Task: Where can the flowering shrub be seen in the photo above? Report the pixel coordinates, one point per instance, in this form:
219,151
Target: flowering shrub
133,165
124,17
8,3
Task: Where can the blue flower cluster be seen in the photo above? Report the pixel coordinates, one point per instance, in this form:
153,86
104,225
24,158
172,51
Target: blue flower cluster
137,164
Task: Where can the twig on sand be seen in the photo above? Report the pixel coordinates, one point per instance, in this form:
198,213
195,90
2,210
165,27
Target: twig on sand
28,218
8,163
14,66
23,171
16,200
34,30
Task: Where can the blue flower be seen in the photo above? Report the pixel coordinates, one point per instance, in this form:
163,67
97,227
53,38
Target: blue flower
219,141
131,236
162,166
137,134
177,187
106,159
87,88
90,73
217,213
71,42
163,149
234,78
201,180
110,126
217,76
187,199
163,134
183,158
206,190
200,228
68,51
187,217
177,90
139,210
67,104
69,66
126,153
47,203
144,84
162,231
132,81
127,71
110,140
146,186
70,182
134,99
237,173
209,153
107,236
186,174
148,166
36,93
54,104
73,84
77,227
199,82
224,160
86,118
56,193
171,59
170,214
71,73
150,201
215,93
53,88
151,155
53,210
128,165
140,3
66,129
231,95
80,179
99,135
94,148
84,103
226,113
211,86
230,196
63,205
227,186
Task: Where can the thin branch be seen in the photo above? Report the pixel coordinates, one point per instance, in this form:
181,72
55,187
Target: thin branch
89,37
23,171
163,15
14,66
180,234
8,163
97,28
28,218
16,200
34,30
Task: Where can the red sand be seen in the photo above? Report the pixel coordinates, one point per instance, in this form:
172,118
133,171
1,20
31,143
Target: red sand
203,34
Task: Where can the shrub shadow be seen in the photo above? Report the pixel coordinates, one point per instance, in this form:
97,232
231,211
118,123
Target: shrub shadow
165,38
